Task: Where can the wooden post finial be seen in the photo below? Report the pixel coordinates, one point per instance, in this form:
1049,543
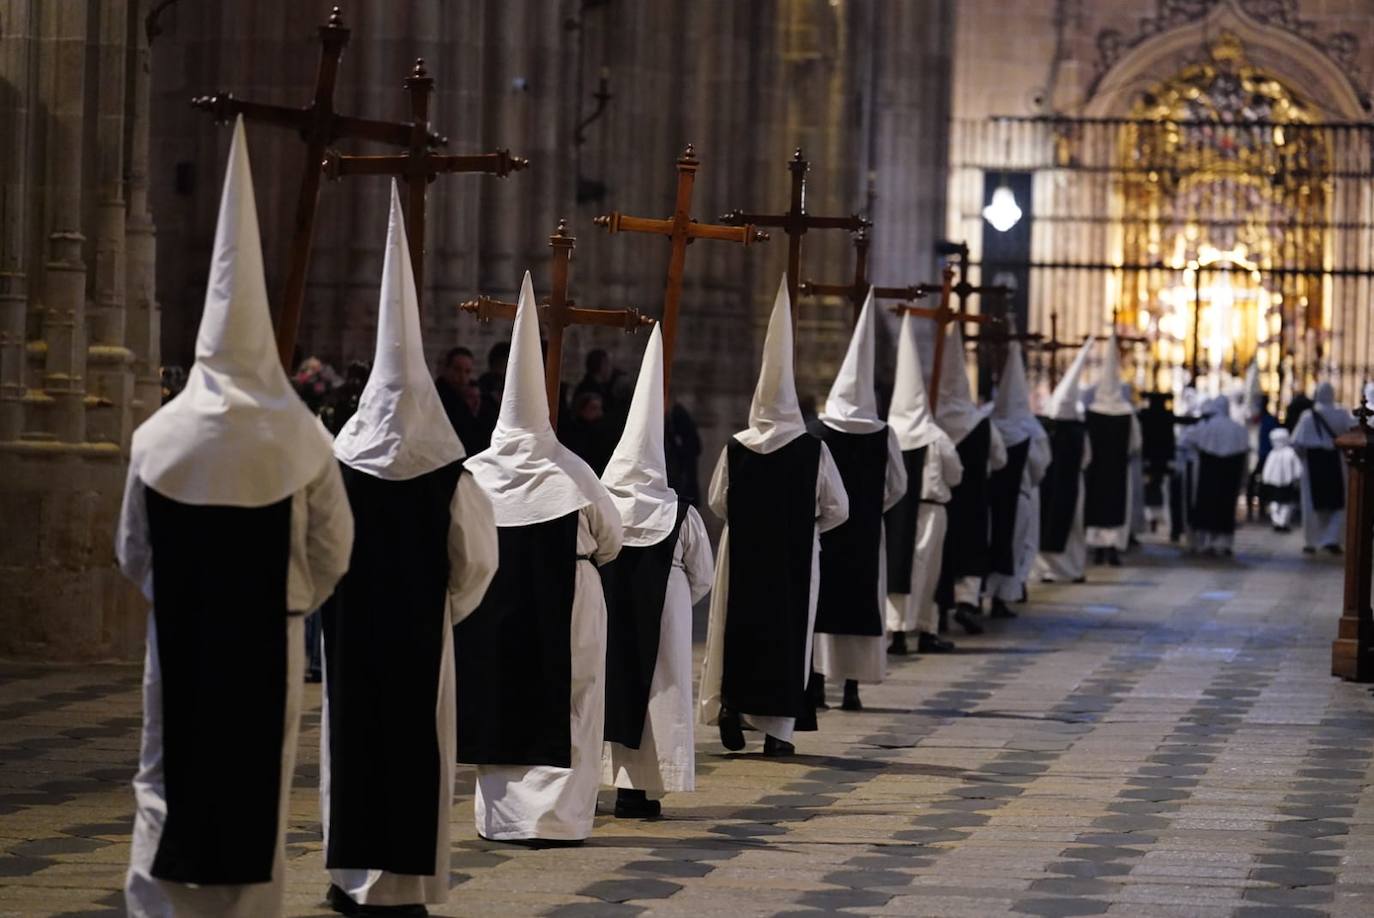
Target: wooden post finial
418,74
561,236
336,18
688,157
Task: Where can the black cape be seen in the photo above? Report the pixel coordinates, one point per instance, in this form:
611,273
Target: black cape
1063,481
1004,497
219,602
1219,480
636,589
514,652
850,561
900,522
967,549
1325,474
771,511
384,645
1107,480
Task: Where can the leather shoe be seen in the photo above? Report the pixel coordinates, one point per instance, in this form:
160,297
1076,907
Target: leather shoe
930,643
731,733
851,700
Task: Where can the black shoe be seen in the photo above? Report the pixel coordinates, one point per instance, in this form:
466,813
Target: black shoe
1099,556
929,643
341,901
1080,580
851,700
898,646
731,733
1308,550
1334,550
772,746
635,804
1113,557
1000,610
815,689
965,615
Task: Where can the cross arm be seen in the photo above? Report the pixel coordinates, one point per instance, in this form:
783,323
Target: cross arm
910,292
501,164
616,222
224,107
943,315
486,308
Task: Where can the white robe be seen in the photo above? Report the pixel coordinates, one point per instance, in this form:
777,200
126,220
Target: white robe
1026,535
321,540
1282,467
546,801
856,656
666,758
1119,537
1069,565
832,509
915,610
472,553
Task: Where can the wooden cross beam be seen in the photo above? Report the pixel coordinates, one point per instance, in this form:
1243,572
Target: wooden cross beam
558,312
680,229
856,291
942,315
319,126
418,166
795,222
1052,346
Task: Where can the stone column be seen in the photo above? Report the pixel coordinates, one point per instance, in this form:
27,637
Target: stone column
16,103
143,317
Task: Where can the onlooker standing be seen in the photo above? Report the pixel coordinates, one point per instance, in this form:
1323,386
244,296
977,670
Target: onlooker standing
473,424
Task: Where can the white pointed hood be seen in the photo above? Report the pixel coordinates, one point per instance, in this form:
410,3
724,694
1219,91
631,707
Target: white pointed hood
1064,401
1220,434
852,406
1107,395
238,434
530,476
1011,410
400,430
955,412
637,475
775,417
909,413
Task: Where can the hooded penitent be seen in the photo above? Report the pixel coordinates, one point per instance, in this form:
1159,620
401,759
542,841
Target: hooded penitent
852,406
1061,488
637,475
1110,420
1108,395
238,434
1218,434
775,417
529,475
955,412
400,430
909,413
1064,401
1011,411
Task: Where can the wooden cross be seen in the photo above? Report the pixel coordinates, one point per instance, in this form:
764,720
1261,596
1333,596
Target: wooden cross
680,229
319,126
795,223
998,335
557,313
856,291
942,315
418,165
1052,346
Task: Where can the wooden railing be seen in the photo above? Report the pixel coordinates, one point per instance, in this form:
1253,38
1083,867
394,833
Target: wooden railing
1352,653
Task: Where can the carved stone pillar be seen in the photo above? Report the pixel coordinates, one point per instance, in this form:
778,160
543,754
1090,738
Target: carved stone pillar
143,316
16,105
1352,653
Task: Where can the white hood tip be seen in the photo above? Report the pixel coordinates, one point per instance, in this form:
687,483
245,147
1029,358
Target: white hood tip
1064,401
1107,395
637,474
852,406
955,411
1011,408
909,412
775,417
400,430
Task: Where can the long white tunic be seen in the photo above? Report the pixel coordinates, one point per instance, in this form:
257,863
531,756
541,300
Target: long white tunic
915,610
832,509
546,801
1119,537
472,554
666,758
856,656
321,540
1026,535
1069,565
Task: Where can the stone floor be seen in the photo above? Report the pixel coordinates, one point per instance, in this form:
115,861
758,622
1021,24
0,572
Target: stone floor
1164,740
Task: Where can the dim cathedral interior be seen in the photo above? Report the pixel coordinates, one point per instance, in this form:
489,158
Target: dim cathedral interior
1193,178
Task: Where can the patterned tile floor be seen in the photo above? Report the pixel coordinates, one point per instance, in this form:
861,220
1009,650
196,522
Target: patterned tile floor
1164,740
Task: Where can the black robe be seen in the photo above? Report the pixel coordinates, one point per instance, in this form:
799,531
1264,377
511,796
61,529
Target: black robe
219,602
384,645
1107,480
850,565
771,511
636,588
967,548
1325,474
900,523
1004,498
1062,484
1219,480
514,652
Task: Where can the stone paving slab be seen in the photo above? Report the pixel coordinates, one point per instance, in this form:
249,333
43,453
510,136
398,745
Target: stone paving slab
1163,740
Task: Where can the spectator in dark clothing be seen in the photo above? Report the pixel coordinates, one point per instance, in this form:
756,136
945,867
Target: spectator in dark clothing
1296,408
493,380
588,433
473,419
682,449
600,379
1267,423
342,403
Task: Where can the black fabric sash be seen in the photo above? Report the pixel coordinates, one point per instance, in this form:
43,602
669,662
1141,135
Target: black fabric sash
1325,475
636,588
1004,498
514,652
219,601
1060,487
384,645
1218,487
771,511
850,565
900,521
1107,479
966,548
